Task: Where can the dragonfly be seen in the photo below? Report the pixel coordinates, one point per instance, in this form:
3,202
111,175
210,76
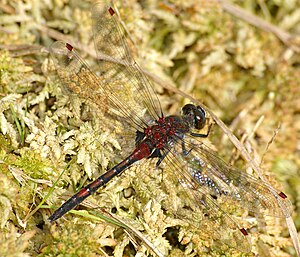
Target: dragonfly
175,141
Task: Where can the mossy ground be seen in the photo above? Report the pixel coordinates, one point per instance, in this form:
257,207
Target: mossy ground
239,71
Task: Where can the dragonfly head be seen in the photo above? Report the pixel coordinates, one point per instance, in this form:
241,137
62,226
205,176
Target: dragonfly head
195,115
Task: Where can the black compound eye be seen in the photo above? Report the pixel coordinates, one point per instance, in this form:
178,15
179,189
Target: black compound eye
200,118
196,114
188,110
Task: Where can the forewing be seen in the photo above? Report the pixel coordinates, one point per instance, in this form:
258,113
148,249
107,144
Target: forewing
211,172
215,222
116,62
112,96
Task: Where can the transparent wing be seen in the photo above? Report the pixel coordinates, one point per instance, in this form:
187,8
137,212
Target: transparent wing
206,179
220,179
116,61
77,78
219,225
121,86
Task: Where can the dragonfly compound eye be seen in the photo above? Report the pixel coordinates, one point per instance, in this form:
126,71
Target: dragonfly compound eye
200,118
195,115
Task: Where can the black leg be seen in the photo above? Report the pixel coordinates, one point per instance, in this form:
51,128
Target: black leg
184,150
202,135
162,157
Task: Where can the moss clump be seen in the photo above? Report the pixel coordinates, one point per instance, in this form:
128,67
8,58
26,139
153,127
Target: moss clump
237,70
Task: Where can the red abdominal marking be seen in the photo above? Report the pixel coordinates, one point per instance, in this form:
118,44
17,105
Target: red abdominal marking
142,151
69,47
83,193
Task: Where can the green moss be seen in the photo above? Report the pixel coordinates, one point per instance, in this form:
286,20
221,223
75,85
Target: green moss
80,239
12,244
232,67
12,74
33,165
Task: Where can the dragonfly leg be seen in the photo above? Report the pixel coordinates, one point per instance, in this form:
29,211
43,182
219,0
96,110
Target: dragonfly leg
202,135
162,156
184,150
139,136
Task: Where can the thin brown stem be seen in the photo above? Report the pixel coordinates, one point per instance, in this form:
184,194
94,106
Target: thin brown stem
288,39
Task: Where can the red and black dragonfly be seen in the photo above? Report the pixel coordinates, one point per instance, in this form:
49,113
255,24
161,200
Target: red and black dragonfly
174,141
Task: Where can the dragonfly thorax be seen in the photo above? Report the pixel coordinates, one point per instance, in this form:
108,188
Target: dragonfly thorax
166,130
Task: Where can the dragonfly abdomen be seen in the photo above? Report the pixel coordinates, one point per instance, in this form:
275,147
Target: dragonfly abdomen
143,150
